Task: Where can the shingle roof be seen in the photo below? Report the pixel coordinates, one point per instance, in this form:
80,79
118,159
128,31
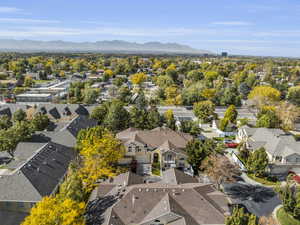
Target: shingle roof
39,176
156,137
175,176
11,217
127,179
275,141
147,203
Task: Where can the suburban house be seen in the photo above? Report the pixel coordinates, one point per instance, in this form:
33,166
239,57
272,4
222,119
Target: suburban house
37,166
160,145
165,202
282,148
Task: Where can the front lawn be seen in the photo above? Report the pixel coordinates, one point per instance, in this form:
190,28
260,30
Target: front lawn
263,180
286,219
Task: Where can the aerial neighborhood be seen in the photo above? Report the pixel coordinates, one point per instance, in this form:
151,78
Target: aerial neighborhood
149,140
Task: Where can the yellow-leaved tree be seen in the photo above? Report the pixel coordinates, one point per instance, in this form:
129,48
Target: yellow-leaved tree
52,210
100,153
138,78
264,95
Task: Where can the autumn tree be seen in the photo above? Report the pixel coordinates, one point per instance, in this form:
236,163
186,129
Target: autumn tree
263,95
287,114
100,154
204,110
52,210
220,168
138,78
170,119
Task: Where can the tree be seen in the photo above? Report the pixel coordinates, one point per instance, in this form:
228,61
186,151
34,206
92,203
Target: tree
8,142
141,101
195,75
22,130
50,210
138,78
258,161
170,119
28,82
19,115
164,81
239,217
138,118
230,96
204,110
117,117
5,122
244,89
190,127
90,95
267,117
198,150
231,114
72,188
223,124
287,197
263,95
211,75
154,118
287,114
99,113
220,168
294,95
100,156
40,122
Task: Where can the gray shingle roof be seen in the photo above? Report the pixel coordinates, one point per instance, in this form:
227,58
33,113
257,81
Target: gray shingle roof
39,176
12,218
275,141
191,204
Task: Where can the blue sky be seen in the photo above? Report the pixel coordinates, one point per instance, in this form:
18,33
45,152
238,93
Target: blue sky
256,27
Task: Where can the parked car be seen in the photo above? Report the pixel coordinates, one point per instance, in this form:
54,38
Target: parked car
230,144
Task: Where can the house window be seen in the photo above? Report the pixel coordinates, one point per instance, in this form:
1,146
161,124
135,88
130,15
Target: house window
169,157
129,149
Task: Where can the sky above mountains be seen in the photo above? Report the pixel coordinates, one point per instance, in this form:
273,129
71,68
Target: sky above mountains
257,27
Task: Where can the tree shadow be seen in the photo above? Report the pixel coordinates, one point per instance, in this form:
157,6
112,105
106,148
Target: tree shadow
95,209
243,191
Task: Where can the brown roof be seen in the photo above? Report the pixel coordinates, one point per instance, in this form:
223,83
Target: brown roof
175,176
156,137
192,204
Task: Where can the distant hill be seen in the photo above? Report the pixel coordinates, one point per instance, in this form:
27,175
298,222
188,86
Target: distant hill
99,46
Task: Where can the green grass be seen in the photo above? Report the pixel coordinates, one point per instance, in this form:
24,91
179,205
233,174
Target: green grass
156,169
41,81
286,219
262,180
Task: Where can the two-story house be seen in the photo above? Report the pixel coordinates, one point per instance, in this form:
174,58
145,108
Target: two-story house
159,145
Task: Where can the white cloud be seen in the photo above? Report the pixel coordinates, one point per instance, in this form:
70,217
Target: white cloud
232,23
9,10
25,20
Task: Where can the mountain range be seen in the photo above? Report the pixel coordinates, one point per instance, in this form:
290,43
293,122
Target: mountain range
115,46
